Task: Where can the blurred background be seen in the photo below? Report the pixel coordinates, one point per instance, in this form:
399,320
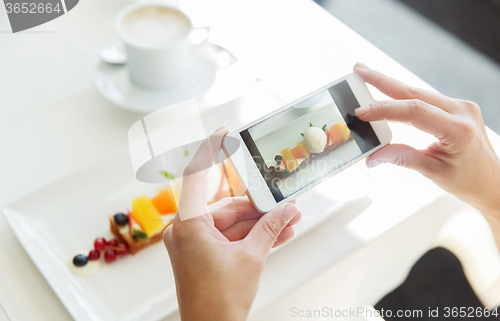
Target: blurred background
454,46
451,44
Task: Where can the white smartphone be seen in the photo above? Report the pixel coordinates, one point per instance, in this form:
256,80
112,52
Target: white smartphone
295,148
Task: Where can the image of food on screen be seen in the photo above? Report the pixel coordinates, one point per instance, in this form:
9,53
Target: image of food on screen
302,144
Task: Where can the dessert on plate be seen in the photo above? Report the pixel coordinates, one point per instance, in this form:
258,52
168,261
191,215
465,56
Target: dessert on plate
316,143
143,224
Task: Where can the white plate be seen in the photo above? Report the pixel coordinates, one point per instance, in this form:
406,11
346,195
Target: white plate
66,216
114,83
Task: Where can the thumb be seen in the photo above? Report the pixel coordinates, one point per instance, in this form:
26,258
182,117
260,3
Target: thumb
265,232
401,155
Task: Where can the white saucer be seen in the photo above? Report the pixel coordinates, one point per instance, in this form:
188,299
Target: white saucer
114,83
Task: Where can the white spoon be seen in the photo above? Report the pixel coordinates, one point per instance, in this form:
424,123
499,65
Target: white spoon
114,54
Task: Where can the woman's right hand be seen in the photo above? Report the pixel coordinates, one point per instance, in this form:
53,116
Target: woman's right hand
463,161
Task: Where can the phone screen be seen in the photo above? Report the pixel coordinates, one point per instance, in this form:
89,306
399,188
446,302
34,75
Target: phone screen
309,140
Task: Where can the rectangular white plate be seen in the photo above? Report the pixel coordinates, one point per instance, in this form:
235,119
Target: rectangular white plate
63,219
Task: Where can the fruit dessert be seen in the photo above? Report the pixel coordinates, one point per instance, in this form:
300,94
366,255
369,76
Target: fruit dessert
144,224
316,142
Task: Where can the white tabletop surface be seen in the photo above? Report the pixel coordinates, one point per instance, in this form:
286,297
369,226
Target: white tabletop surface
53,121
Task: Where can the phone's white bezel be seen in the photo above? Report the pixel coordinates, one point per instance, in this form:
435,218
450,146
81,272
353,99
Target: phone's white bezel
262,198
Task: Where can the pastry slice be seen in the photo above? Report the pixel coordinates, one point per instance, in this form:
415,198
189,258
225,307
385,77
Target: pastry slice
150,217
144,226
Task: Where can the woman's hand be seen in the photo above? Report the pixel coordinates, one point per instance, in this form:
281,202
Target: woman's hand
462,162
218,257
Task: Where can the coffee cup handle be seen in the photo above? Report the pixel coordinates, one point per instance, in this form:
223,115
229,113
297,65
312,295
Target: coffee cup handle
222,56
199,36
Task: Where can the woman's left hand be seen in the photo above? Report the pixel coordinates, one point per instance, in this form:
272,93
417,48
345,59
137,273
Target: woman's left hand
218,257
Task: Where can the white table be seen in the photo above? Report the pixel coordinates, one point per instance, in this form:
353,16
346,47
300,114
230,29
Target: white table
53,121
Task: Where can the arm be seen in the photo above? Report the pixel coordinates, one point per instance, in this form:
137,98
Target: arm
463,161
218,256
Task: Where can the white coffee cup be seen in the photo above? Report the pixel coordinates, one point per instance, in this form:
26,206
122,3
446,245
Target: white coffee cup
156,38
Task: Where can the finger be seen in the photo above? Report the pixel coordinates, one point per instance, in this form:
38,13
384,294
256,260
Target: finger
398,90
265,232
285,236
239,209
240,230
194,190
296,219
403,155
423,116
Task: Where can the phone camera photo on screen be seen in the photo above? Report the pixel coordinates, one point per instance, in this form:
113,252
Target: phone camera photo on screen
309,140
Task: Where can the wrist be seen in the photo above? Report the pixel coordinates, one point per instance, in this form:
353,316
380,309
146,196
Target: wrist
489,206
492,214
210,307
487,199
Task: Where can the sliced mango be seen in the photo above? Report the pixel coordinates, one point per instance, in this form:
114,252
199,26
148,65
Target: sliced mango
303,149
335,135
165,201
290,160
297,152
283,164
346,133
147,215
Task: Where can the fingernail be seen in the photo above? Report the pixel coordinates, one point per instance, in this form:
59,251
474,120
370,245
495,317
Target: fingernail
220,128
362,111
370,163
362,65
289,212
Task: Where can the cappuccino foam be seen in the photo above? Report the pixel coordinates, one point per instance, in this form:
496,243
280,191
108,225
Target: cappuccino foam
154,26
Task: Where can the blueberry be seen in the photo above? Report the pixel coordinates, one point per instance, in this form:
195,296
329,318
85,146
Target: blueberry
278,159
80,260
121,219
